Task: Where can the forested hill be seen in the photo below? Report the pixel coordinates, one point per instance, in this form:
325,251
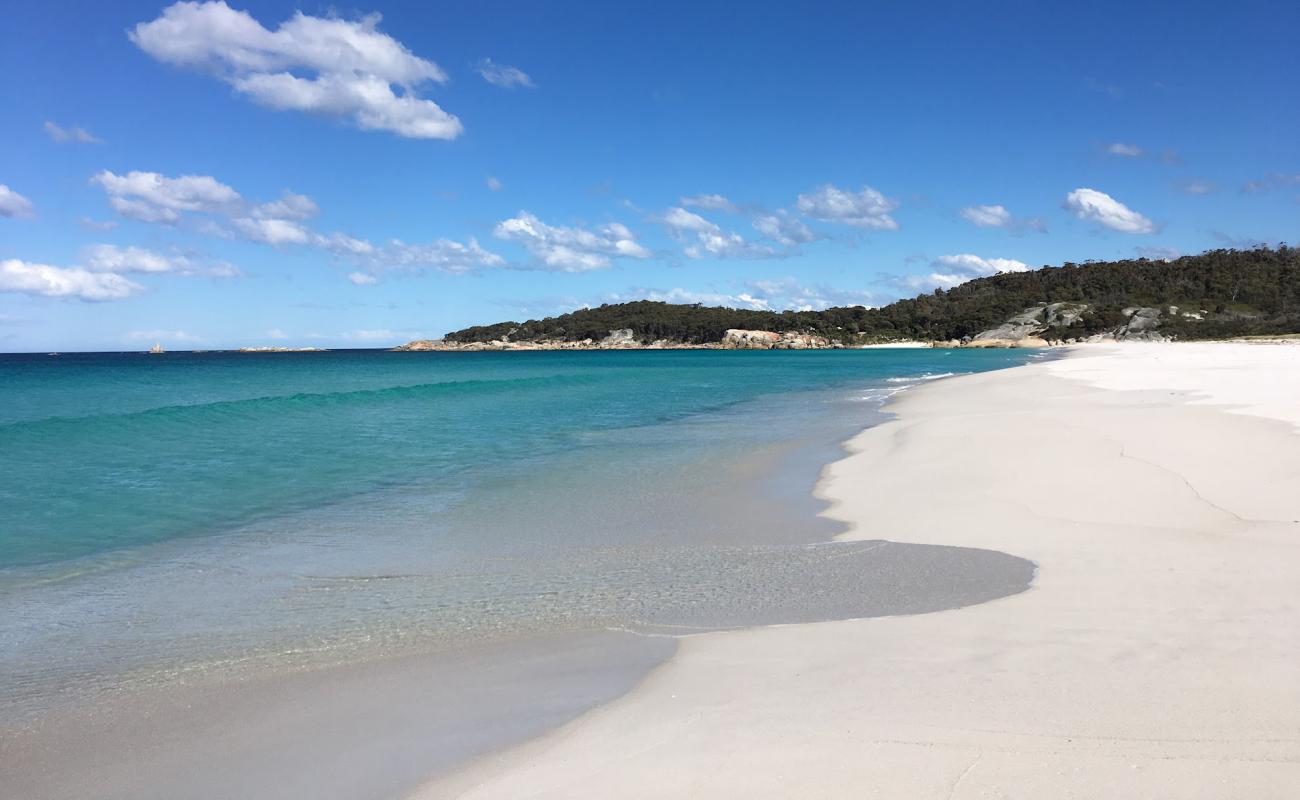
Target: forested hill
1218,293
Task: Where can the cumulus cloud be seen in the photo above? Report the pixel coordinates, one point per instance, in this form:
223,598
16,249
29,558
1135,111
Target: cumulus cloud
493,183
444,255
322,65
783,228
503,75
1101,208
289,206
73,134
151,197
867,208
952,270
709,202
1124,150
342,244
68,282
987,216
570,249
274,232
705,238
14,205
996,216
111,258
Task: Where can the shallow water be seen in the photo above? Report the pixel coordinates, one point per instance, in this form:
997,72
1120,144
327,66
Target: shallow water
197,517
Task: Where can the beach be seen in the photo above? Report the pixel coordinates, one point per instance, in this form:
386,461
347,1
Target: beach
1154,488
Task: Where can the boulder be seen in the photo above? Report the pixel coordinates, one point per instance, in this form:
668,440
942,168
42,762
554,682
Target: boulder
740,339
622,337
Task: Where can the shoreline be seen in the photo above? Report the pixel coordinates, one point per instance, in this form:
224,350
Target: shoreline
205,730
1109,677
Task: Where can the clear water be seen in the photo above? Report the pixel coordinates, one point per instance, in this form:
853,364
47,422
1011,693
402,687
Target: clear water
161,515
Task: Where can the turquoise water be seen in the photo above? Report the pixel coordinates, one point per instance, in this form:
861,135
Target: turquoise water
106,451
163,516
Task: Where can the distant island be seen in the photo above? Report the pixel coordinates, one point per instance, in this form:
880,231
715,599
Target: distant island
269,349
1219,294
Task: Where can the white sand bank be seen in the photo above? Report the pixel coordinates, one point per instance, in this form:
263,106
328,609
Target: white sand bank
1158,654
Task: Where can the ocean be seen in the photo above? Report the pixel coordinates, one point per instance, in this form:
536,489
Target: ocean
189,516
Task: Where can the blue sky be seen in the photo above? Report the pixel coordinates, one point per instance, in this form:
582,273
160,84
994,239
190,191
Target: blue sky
214,175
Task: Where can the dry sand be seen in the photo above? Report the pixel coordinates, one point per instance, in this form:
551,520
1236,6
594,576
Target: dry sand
1157,655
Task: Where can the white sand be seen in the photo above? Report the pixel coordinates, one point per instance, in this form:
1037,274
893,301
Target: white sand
1158,654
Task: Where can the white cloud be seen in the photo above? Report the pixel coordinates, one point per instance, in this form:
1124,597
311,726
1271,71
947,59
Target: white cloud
865,209
709,202
73,134
503,75
289,206
987,216
73,282
111,258
1124,150
151,197
342,244
271,231
996,216
329,66
952,270
493,183
570,249
363,278
1101,208
706,238
783,228
444,255
14,205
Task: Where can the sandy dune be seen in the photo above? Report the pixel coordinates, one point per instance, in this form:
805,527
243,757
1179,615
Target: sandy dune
1157,655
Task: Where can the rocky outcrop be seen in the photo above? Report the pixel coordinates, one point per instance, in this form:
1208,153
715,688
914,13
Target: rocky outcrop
1030,328
740,339
619,339
622,339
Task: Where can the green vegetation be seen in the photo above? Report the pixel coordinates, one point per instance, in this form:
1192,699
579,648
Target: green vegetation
1236,292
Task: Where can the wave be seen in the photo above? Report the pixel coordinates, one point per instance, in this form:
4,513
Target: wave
925,377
